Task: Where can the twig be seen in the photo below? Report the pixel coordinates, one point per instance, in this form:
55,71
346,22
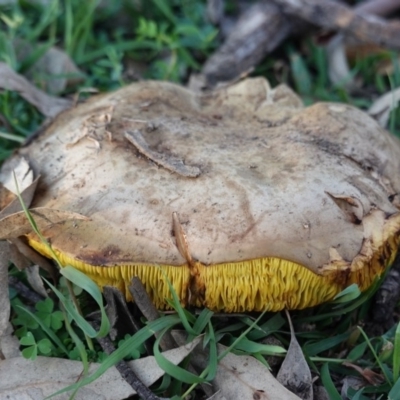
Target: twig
148,309
123,368
378,7
258,31
24,290
336,16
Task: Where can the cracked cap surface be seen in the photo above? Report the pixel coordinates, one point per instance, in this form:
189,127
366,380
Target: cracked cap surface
248,173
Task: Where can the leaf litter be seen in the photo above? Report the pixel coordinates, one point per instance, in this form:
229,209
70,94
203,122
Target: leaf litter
294,373
21,378
53,71
48,105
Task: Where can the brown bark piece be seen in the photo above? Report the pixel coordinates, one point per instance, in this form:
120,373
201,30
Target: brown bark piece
259,31
336,16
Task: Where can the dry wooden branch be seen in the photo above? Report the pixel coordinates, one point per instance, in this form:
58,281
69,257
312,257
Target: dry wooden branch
378,7
148,309
259,31
267,23
123,368
336,16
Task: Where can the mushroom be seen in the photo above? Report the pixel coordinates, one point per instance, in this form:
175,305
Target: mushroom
241,197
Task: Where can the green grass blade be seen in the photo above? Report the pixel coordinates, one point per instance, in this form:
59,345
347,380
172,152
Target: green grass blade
134,342
314,348
166,10
36,54
213,354
394,393
328,383
272,325
11,136
176,304
396,354
84,282
170,368
73,312
79,345
348,294
253,347
383,369
202,320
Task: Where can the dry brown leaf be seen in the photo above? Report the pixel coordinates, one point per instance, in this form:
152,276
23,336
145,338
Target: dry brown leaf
53,72
15,205
4,298
35,280
238,377
382,106
26,379
244,377
18,167
48,105
294,373
338,68
17,224
370,376
9,344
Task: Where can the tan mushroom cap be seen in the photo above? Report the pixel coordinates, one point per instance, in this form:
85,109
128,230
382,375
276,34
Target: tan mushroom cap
242,197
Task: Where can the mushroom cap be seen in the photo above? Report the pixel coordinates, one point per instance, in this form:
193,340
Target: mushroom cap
242,197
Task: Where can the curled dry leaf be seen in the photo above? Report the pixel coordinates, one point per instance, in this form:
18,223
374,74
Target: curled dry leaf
48,105
26,379
373,378
294,373
382,107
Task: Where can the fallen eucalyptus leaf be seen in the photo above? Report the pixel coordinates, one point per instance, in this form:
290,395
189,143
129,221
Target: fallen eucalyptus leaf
217,396
239,377
53,71
4,298
48,105
9,344
244,377
320,393
19,168
6,196
35,280
338,67
373,378
381,108
17,224
26,379
294,373
15,205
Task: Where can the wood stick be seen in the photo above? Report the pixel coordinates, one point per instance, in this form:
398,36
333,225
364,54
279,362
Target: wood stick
259,31
336,16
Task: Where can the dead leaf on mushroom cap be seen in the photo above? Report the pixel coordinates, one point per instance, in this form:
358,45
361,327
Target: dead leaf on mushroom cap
287,205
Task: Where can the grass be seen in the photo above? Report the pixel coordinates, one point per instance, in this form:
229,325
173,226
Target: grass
169,40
